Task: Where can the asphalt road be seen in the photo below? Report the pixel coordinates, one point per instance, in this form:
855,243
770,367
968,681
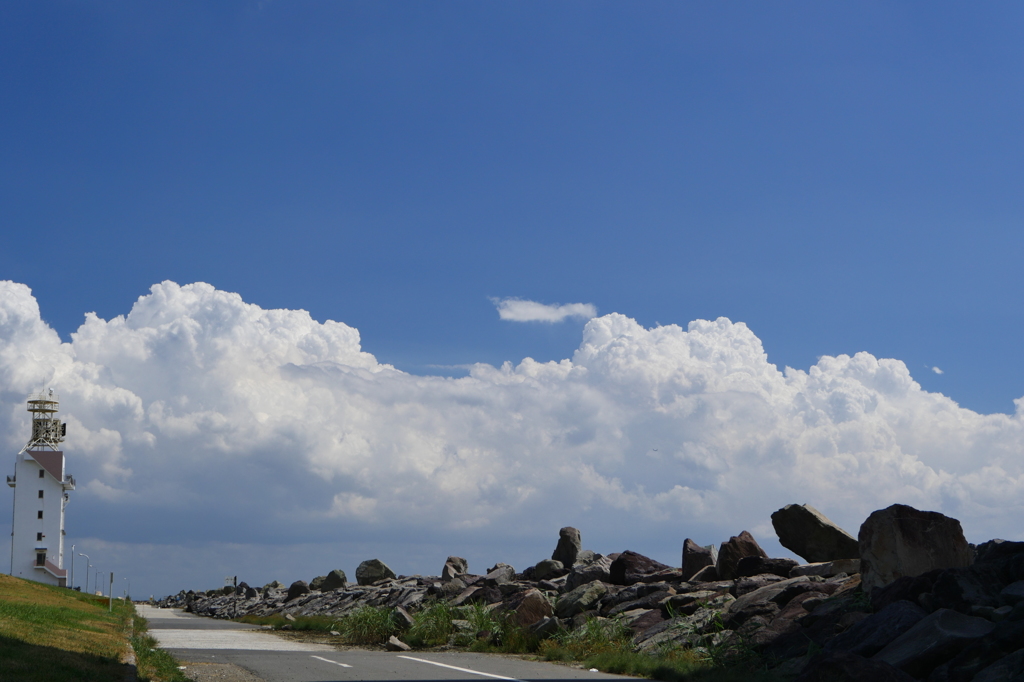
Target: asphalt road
204,644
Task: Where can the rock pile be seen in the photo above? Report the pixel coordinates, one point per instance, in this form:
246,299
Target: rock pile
927,606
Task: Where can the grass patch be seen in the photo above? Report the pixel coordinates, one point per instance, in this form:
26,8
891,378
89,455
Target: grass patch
153,664
52,634
367,625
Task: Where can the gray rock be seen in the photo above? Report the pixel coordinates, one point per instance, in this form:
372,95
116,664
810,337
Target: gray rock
874,633
528,607
902,541
549,568
730,553
545,627
402,618
581,599
454,567
569,545
696,557
372,570
936,638
316,583
335,580
500,574
765,593
808,533
297,589
748,584
395,644
599,568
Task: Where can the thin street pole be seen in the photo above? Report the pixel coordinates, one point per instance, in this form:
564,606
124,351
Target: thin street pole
72,567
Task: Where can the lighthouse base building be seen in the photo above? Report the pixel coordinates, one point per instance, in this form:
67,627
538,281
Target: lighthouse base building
40,495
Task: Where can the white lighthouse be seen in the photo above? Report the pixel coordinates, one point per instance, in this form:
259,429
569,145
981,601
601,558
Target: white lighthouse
40,495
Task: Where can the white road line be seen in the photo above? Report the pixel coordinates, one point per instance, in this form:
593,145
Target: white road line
463,670
327,660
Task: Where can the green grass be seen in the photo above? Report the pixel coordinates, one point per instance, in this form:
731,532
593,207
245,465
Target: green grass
52,634
153,664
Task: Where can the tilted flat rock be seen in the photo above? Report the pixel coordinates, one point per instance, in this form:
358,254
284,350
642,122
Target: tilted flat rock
808,533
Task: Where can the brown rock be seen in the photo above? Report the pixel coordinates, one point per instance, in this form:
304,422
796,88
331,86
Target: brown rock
631,567
737,547
696,557
528,607
902,541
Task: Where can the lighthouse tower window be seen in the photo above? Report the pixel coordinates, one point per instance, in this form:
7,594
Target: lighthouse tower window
42,473
39,514
40,558
40,494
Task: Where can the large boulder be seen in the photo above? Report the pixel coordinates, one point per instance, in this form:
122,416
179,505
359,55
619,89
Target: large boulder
808,533
737,547
902,541
696,557
454,567
528,607
569,546
549,568
297,589
631,567
372,570
316,583
334,580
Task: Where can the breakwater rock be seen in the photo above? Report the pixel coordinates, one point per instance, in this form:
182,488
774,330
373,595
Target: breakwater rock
929,606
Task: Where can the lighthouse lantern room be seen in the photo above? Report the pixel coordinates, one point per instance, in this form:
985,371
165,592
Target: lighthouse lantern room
40,496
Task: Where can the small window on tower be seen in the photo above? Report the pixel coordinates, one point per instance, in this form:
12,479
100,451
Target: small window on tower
40,514
40,494
42,472
39,537
40,558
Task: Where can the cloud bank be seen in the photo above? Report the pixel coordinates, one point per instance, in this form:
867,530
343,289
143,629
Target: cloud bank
199,418
519,310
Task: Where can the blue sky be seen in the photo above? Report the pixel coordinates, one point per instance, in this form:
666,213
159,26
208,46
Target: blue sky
841,178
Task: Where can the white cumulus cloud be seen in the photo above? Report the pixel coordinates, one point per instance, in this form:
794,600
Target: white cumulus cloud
519,310
198,419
